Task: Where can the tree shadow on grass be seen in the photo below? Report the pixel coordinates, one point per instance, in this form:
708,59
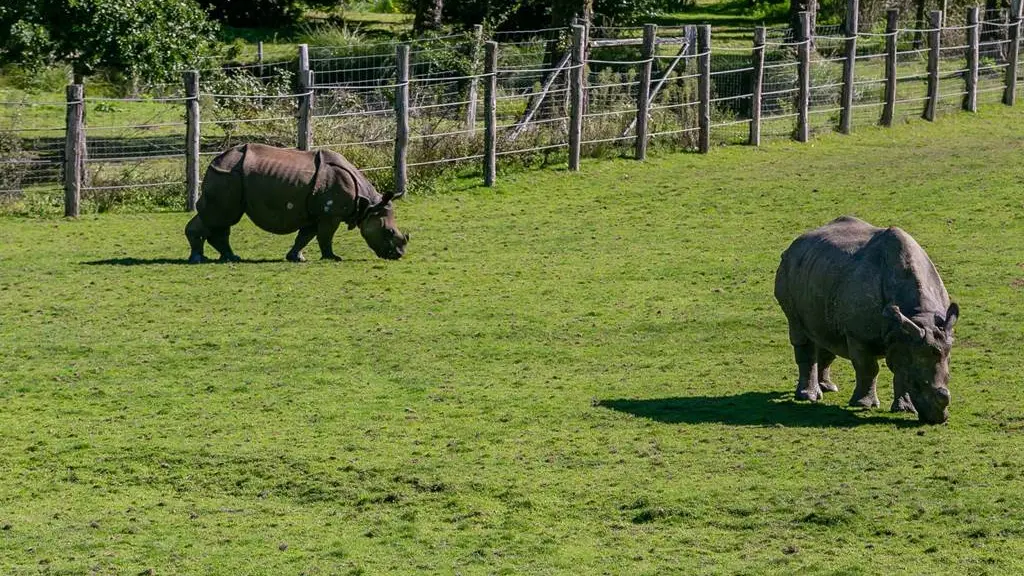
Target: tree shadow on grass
162,261
751,409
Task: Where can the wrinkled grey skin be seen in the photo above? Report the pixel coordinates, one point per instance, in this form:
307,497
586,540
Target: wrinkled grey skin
285,191
861,292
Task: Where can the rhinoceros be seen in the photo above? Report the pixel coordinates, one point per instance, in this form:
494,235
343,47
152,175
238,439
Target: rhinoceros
285,191
862,292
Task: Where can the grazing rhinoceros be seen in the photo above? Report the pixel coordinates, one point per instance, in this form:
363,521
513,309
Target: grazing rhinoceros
285,191
854,290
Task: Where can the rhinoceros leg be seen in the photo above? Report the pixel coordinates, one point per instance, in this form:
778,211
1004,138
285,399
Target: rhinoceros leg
866,366
901,402
806,356
825,359
196,232
325,238
219,238
301,240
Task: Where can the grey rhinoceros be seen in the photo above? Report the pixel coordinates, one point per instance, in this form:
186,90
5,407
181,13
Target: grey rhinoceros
285,191
854,290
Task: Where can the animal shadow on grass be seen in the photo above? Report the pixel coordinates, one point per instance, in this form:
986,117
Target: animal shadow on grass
161,261
748,409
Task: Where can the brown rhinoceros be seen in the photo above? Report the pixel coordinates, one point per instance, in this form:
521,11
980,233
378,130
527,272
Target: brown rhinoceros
285,191
854,290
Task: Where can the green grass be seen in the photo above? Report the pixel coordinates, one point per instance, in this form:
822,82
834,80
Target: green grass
570,373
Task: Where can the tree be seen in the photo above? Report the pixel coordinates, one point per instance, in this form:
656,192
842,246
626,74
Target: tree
798,6
428,15
145,39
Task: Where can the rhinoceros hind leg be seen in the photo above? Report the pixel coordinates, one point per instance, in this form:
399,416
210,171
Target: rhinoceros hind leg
301,240
825,359
807,387
866,367
219,238
196,232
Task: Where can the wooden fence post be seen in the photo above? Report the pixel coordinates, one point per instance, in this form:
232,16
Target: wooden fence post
1013,57
74,149
490,112
191,140
478,36
644,95
891,25
758,80
934,36
305,125
704,87
852,21
259,57
973,38
803,78
401,119
576,97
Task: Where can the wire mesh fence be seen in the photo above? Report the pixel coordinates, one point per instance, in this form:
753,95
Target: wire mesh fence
136,147
31,147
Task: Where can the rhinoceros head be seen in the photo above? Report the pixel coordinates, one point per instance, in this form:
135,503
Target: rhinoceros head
918,355
378,228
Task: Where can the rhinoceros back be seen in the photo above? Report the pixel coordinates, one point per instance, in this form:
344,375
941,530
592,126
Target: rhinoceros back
834,281
278,185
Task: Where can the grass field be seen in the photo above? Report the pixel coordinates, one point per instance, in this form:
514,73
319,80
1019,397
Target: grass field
568,374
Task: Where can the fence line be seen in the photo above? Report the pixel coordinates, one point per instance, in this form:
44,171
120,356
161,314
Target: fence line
401,111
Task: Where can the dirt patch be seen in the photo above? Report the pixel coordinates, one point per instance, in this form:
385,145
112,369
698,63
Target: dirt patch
1018,283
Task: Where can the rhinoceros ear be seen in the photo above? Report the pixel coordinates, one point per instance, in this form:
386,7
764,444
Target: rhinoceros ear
907,325
380,206
952,315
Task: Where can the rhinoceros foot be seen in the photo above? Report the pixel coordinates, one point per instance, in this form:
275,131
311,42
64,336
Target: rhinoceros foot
230,258
809,394
866,401
903,404
295,257
197,258
331,257
827,386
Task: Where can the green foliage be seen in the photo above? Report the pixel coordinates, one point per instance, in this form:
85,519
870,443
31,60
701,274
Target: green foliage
143,39
330,35
262,13
533,14
254,13
36,79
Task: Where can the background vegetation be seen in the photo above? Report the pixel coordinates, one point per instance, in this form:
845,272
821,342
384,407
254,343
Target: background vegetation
568,373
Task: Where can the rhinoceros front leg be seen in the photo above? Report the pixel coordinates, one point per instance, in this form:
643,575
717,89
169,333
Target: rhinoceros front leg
866,366
219,238
825,359
325,238
901,402
301,240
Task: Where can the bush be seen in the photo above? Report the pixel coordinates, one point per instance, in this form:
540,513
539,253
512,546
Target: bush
150,40
260,13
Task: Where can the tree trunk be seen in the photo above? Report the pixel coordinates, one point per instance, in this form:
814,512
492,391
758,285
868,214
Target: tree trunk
562,14
428,16
795,8
919,23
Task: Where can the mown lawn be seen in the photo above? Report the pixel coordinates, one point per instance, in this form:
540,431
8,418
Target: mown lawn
570,373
